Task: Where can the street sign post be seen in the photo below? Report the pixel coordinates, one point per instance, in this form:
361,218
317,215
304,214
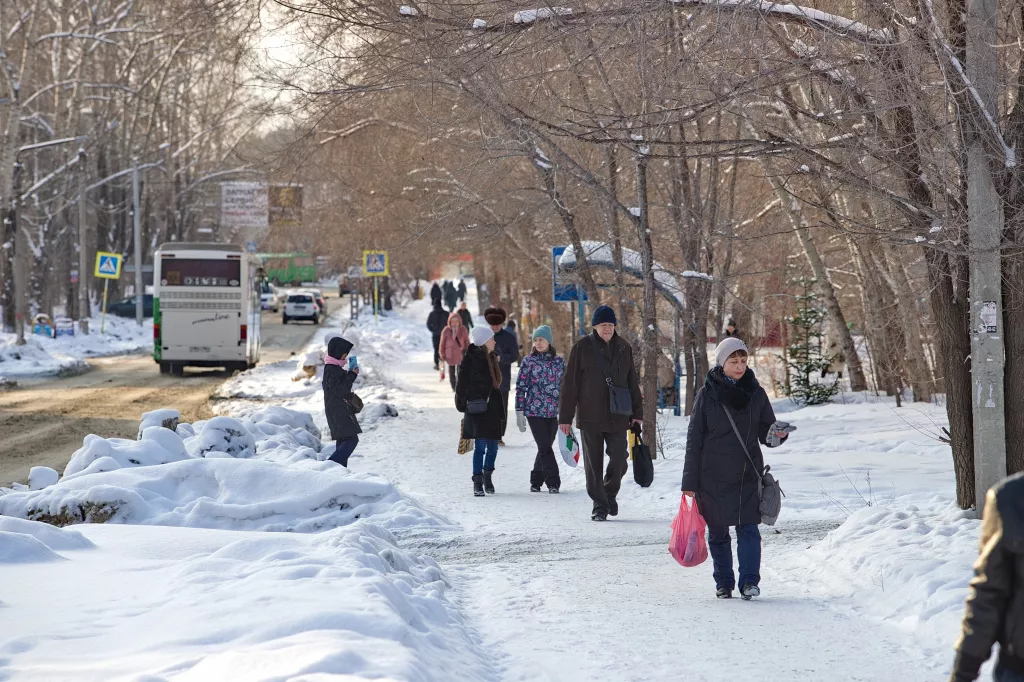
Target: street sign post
108,267
376,265
563,293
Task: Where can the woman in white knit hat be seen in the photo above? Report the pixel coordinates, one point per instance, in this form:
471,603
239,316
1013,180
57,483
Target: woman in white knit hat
478,395
722,471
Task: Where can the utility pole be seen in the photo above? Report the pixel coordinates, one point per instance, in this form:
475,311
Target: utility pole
84,309
985,229
140,290
20,260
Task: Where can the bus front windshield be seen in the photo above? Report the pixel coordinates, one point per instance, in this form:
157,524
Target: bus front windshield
200,272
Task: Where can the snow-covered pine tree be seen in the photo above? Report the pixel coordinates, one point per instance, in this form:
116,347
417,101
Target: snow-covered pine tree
807,361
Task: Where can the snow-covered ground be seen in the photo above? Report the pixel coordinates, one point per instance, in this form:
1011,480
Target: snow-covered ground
43,356
863,578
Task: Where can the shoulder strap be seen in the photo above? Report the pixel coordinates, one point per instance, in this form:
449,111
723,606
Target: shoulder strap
606,367
743,443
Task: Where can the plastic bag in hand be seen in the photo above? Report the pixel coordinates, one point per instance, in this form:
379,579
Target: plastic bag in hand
688,545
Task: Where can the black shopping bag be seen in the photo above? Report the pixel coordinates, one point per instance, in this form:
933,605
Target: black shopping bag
643,465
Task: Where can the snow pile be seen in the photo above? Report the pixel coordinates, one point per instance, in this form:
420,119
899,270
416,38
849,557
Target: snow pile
528,16
168,419
42,356
221,437
24,541
41,477
97,454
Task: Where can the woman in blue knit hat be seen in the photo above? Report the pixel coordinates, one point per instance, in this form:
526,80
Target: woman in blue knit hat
540,375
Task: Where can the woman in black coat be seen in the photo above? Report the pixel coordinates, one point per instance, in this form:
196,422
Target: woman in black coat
719,473
337,384
480,379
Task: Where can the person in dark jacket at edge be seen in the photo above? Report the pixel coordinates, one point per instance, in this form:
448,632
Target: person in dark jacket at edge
337,382
462,290
585,395
995,600
717,472
731,331
435,294
451,296
480,379
437,320
467,318
506,346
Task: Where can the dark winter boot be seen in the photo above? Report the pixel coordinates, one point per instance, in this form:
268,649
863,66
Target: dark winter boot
488,484
478,485
724,593
613,507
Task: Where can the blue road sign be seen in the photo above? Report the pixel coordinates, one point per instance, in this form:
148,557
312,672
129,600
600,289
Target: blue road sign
563,293
250,247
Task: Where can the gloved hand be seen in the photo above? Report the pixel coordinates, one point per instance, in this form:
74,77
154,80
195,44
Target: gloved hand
778,433
521,421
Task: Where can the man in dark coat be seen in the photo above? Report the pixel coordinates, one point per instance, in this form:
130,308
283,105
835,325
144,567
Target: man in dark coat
337,385
995,601
585,395
462,290
467,318
717,470
436,322
435,294
506,346
451,296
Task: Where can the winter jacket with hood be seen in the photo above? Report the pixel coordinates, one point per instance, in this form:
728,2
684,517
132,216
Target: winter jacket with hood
467,318
995,601
462,290
716,468
454,341
435,294
437,319
507,349
537,385
584,393
451,296
337,384
479,378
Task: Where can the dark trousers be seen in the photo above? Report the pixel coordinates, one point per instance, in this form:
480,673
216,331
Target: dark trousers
453,375
437,350
504,413
603,486
545,467
748,546
343,450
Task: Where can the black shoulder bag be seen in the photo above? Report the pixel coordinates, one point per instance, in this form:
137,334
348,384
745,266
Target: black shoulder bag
769,492
619,399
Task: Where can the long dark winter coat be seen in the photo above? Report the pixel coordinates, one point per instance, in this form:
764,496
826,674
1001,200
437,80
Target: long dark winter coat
435,293
479,377
584,393
451,296
337,391
462,290
716,468
467,318
995,601
437,320
506,346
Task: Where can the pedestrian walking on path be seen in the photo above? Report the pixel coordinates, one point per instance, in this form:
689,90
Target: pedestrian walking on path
601,370
478,396
454,342
995,601
451,296
467,318
537,386
718,471
507,348
436,321
435,294
341,416
462,290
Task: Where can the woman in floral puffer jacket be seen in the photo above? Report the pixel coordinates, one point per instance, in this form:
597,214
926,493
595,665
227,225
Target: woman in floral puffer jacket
540,375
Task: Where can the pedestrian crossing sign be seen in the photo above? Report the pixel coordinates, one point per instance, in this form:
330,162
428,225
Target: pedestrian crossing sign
108,265
375,263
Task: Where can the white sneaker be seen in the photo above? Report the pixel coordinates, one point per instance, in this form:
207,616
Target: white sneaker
750,591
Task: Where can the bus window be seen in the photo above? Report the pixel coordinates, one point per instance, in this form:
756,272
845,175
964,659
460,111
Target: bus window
189,272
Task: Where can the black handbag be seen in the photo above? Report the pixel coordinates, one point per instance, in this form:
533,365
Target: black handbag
643,465
619,399
478,406
356,403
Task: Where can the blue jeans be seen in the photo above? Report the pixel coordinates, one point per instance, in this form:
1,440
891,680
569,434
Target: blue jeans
1006,675
480,463
343,450
748,546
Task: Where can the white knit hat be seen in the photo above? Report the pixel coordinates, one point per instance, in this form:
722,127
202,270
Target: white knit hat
481,335
727,348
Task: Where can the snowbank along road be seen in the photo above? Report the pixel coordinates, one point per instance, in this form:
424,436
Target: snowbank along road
43,421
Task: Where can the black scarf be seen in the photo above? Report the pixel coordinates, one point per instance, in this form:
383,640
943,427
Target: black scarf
736,395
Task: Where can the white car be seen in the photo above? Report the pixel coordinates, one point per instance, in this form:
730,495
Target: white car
270,298
301,305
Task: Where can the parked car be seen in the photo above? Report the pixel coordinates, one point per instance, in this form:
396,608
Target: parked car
349,282
126,307
270,299
301,305
319,296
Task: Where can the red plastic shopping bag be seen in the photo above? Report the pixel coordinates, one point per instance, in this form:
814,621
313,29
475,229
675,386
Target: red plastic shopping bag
688,545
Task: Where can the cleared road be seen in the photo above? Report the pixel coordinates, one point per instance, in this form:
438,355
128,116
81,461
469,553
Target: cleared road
42,422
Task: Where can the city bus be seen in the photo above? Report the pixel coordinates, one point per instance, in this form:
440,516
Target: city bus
206,307
289,269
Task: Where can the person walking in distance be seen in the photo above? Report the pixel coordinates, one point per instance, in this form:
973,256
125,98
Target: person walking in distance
478,396
718,471
537,386
995,600
598,365
337,383
436,321
435,294
507,348
467,318
451,296
462,290
454,342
